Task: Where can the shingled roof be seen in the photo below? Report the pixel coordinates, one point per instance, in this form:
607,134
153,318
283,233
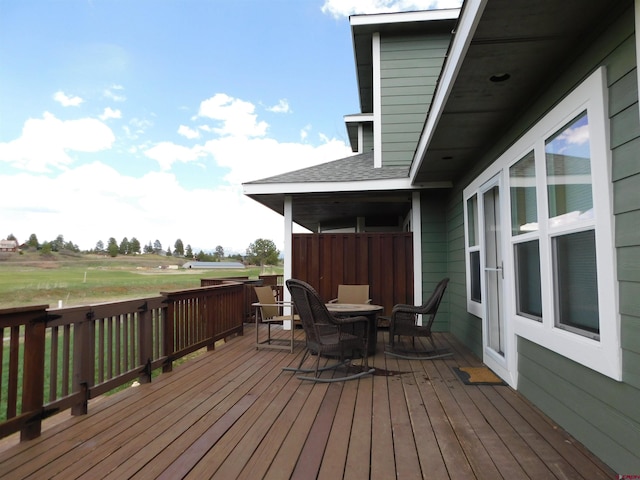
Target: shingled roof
350,169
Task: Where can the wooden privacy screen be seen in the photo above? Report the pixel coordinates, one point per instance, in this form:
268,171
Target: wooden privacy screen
384,261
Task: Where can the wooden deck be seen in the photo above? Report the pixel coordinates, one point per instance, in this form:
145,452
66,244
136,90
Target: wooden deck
233,413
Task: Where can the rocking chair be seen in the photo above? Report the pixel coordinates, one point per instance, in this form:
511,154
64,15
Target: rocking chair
403,321
327,335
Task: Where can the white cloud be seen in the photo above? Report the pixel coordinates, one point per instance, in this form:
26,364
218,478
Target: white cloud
110,113
45,142
152,207
344,8
157,205
188,132
264,157
67,101
281,107
167,153
238,117
114,92
304,132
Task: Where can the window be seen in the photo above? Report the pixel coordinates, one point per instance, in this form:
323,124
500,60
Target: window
559,274
524,226
527,278
474,249
575,279
522,181
474,300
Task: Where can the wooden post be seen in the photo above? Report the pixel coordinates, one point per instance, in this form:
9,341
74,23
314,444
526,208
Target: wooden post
33,386
83,361
145,336
169,325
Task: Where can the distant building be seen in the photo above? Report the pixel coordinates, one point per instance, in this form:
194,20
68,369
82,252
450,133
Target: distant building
8,246
209,265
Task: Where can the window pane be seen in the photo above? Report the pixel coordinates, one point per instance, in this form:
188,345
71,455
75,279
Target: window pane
522,180
474,262
576,282
472,220
528,290
569,173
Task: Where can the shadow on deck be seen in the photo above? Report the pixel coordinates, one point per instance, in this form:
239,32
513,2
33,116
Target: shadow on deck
232,413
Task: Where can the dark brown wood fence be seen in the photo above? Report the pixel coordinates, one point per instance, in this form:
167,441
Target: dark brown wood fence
384,261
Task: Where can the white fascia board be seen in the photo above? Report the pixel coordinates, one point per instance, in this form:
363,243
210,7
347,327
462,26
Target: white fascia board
404,17
353,186
462,39
358,118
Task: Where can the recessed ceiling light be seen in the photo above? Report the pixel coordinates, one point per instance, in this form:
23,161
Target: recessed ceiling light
499,77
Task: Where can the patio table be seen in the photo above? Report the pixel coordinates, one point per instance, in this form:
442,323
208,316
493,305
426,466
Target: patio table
360,309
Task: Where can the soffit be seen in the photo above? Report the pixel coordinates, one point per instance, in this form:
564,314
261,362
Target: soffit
531,41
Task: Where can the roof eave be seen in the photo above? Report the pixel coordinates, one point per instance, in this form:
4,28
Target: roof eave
467,24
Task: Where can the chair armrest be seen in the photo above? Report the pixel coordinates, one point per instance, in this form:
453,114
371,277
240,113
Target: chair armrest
274,304
403,308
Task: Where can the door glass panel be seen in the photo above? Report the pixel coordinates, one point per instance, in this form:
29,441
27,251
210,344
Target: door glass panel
568,160
493,270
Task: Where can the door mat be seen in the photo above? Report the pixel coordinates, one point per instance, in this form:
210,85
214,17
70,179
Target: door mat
477,376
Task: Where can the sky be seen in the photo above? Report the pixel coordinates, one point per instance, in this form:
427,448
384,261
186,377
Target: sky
143,118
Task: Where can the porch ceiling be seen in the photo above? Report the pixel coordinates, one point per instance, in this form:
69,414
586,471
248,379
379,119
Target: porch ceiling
311,210
532,42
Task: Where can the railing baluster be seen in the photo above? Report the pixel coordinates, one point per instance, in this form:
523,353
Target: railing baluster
101,342
53,365
104,346
66,360
14,350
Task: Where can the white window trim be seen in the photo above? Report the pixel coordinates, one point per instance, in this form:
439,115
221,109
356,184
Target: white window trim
603,355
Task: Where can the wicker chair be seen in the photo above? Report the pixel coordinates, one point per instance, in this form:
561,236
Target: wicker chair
270,311
327,335
352,294
403,322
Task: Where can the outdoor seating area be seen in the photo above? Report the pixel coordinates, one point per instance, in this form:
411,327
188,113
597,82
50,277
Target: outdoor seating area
234,413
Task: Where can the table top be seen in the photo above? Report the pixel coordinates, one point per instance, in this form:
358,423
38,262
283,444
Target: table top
353,307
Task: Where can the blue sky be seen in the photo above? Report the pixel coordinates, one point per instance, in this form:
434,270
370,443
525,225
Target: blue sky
123,118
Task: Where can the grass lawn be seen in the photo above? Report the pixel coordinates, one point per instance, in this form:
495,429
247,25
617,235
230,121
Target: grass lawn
79,279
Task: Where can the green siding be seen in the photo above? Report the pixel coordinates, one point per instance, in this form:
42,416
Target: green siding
434,252
409,70
466,327
600,412
367,138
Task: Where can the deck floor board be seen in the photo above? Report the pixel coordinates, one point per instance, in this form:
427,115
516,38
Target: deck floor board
234,413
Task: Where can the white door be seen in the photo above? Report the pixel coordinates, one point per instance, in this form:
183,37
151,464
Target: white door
494,322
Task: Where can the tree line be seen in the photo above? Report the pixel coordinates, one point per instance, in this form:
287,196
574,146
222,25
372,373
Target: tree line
260,252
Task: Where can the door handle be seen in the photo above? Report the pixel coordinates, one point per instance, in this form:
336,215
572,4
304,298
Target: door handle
495,269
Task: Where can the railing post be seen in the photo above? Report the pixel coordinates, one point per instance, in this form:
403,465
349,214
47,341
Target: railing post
145,336
169,325
83,361
33,380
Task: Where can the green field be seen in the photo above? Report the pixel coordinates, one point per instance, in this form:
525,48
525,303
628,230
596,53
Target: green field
79,279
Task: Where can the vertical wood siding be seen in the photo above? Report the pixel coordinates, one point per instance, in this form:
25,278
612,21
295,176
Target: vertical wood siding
384,261
409,70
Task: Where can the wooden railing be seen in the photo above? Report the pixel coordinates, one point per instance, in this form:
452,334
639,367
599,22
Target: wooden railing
57,359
